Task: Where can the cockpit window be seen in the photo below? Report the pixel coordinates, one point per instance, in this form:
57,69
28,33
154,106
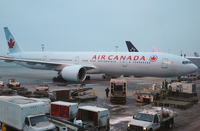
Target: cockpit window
186,62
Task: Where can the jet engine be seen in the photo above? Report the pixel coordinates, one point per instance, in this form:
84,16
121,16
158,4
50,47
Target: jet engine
73,73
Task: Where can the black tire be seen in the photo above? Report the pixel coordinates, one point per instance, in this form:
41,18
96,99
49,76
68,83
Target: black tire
169,124
150,130
87,78
54,79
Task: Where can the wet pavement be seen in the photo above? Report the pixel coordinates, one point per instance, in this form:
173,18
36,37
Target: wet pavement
120,114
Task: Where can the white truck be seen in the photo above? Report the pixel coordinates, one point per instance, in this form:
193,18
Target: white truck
24,114
13,83
118,90
192,77
152,119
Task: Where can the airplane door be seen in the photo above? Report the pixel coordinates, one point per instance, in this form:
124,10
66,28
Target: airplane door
76,60
44,58
164,63
124,63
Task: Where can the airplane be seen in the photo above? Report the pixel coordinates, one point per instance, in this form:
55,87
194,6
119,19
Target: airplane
73,66
131,47
196,54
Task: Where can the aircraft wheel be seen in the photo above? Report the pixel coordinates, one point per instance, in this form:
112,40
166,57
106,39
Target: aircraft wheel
87,78
54,79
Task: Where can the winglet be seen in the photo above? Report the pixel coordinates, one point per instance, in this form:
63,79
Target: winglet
13,47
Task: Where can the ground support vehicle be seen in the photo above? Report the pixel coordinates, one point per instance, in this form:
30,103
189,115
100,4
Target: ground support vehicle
13,83
41,90
193,77
66,110
1,90
184,90
19,113
189,78
1,83
118,90
60,95
178,104
6,91
81,94
152,119
153,86
42,87
63,124
94,117
83,98
147,96
23,91
180,91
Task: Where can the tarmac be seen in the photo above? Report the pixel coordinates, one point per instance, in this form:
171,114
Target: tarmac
120,114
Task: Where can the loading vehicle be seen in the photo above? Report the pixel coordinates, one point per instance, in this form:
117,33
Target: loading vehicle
147,93
118,90
13,83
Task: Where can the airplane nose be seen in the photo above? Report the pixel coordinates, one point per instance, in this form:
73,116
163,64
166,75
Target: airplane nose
194,68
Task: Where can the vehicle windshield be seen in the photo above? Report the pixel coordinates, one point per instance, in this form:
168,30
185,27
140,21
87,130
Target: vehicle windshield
37,119
144,117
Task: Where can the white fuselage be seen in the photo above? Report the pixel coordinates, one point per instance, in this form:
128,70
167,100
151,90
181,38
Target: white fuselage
125,63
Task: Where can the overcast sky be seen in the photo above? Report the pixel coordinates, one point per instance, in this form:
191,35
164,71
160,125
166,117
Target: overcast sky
100,25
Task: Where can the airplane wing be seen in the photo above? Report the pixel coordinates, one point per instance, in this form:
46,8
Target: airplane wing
49,64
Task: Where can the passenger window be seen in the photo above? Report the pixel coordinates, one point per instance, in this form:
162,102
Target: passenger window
26,121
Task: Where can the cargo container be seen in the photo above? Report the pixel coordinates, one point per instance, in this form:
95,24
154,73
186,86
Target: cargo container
60,95
47,104
66,110
94,116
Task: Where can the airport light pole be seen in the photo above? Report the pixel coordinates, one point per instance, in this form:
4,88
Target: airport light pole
42,47
116,47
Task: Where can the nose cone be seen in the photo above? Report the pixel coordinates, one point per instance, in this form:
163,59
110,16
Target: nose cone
192,68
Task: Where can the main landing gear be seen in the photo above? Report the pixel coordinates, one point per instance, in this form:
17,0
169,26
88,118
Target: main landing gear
59,78
87,78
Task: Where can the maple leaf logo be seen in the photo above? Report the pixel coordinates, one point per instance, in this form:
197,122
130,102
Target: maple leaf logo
11,43
153,58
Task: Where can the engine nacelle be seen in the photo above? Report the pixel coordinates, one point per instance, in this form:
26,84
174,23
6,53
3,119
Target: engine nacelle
73,73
